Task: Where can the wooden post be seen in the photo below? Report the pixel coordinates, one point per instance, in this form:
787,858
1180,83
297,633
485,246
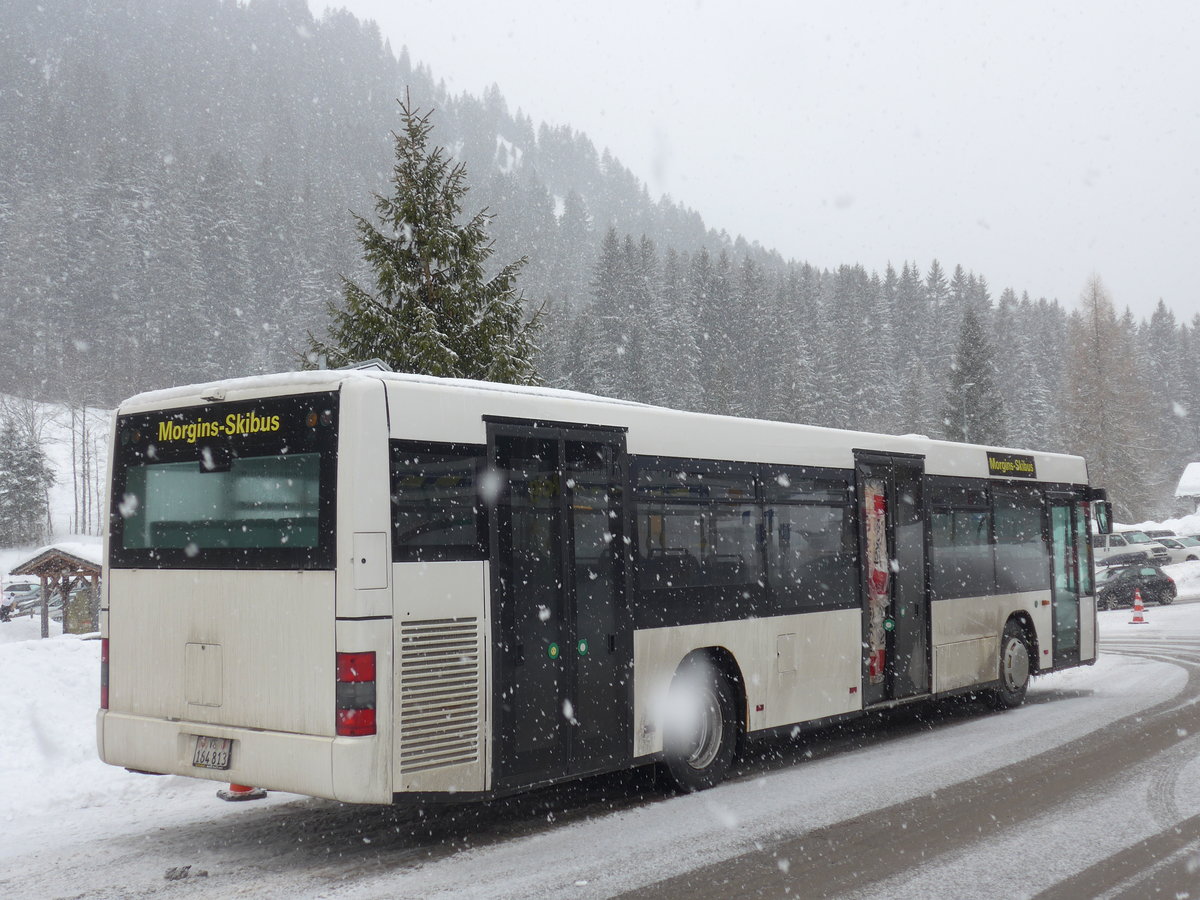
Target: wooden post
45,606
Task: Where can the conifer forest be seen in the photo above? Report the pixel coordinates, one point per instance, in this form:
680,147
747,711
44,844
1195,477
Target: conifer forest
178,186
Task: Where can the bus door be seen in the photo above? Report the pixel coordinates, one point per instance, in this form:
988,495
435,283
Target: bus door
563,653
1070,571
895,599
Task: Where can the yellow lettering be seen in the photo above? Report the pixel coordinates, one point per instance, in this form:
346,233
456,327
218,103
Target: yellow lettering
234,424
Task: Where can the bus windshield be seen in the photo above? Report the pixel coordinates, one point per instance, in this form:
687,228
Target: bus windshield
249,485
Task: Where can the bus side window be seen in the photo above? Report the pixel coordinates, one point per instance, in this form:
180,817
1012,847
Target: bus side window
810,540
436,510
962,563
1022,561
698,524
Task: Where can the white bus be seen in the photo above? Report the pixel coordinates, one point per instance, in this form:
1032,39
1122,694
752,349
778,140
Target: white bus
373,587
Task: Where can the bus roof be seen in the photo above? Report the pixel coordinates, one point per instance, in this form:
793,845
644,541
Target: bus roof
653,430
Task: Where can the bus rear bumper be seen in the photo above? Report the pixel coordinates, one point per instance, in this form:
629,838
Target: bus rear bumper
334,768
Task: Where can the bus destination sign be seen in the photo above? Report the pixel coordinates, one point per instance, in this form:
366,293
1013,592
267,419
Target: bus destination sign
1011,465
235,425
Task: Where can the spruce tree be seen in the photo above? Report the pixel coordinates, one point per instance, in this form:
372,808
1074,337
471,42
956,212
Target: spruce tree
597,344
25,477
434,310
674,358
1162,351
974,403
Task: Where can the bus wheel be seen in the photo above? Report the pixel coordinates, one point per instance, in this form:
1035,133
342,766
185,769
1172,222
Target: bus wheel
1014,667
701,728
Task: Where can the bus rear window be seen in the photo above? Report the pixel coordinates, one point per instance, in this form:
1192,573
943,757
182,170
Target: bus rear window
245,485
260,502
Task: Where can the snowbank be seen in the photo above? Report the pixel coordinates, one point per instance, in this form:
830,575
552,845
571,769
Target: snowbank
49,767
50,694
1189,524
1189,481
1187,578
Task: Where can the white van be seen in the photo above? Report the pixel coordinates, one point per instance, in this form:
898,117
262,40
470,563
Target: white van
1128,543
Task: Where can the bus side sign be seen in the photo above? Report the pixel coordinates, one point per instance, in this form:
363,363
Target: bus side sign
1011,465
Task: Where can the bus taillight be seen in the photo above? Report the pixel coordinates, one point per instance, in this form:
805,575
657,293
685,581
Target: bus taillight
356,694
104,673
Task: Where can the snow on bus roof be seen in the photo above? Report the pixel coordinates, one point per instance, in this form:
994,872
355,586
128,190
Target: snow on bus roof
317,378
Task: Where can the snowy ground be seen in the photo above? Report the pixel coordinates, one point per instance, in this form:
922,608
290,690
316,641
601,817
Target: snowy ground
74,827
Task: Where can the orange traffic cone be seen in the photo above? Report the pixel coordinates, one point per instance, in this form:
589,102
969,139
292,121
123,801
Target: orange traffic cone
242,792
1139,617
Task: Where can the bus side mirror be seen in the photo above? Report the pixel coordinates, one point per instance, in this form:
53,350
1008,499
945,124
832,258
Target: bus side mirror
1102,510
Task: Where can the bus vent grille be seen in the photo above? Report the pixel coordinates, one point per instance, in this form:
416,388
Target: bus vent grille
441,671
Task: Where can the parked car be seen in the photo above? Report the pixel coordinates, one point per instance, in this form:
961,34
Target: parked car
31,601
1115,585
1160,533
1124,559
29,595
1181,549
22,590
1124,542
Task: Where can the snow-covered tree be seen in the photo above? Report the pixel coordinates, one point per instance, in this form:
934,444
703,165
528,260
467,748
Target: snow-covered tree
434,309
974,404
601,332
674,357
25,477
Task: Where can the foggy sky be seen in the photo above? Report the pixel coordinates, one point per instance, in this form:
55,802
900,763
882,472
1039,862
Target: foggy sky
1033,143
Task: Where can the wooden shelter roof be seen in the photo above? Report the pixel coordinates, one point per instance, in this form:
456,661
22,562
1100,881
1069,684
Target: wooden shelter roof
51,561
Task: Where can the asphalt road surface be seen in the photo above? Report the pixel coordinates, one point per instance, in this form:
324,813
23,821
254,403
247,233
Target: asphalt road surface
869,854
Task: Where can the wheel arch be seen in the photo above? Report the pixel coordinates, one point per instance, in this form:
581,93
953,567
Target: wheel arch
1025,622
725,663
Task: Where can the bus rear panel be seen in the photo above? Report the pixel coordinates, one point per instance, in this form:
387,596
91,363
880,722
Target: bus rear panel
236,649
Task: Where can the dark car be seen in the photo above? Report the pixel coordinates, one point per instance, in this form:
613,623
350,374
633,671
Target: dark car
1123,559
1115,585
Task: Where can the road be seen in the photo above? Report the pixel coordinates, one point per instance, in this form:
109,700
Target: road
1091,789
888,852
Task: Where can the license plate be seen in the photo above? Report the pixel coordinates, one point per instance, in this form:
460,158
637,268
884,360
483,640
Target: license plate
212,753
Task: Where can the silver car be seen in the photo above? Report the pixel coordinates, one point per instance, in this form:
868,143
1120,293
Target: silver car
1181,549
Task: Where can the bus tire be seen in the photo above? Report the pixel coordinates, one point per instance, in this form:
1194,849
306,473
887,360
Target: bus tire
1016,662
701,731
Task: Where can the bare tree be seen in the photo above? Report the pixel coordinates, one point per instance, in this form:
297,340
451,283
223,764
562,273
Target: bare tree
1105,399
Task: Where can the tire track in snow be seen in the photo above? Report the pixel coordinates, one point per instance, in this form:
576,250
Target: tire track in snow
851,855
